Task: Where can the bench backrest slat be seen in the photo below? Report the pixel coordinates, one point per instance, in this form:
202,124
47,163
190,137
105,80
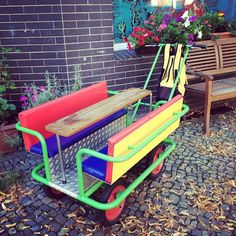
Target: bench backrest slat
204,59
136,134
227,48
38,117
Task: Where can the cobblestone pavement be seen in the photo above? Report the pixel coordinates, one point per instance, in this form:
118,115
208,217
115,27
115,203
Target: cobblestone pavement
196,194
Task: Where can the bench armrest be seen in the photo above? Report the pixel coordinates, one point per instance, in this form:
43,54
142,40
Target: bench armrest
199,74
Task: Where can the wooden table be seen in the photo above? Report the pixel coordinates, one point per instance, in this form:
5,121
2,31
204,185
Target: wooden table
77,121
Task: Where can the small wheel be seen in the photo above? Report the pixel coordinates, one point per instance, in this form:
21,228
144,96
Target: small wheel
152,157
52,193
111,216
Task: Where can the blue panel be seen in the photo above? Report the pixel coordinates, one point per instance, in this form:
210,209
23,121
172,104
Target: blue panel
68,141
95,166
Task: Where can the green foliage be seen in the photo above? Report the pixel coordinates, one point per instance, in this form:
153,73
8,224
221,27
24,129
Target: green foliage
7,179
35,95
213,23
170,28
5,83
12,142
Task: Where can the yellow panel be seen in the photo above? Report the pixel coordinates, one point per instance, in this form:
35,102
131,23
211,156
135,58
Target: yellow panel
140,134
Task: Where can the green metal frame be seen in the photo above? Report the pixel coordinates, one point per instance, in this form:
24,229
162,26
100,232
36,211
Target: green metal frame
84,196
161,45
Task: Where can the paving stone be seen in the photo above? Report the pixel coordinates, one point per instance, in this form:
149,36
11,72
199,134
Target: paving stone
60,219
52,234
37,203
46,200
31,223
205,233
143,208
12,231
56,227
193,224
174,198
35,228
52,213
39,219
62,232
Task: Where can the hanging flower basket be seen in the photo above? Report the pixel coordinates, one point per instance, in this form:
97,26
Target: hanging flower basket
146,50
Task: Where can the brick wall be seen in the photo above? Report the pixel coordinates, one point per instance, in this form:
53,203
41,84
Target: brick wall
55,35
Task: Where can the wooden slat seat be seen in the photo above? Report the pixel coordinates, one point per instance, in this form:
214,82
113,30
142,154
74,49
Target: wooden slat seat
218,59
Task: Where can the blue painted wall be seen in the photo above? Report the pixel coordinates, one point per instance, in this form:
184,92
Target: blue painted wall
130,13
228,6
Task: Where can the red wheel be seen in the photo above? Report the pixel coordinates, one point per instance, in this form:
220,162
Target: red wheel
152,157
111,216
52,193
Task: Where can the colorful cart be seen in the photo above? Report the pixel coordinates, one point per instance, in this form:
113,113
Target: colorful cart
83,154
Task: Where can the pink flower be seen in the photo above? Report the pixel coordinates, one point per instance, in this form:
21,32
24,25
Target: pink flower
151,17
153,23
161,27
33,98
42,88
25,104
23,98
146,22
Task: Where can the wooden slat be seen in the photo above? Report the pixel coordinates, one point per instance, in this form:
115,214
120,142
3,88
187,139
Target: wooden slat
73,123
224,86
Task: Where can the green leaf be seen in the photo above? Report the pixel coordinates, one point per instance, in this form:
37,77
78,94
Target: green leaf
4,107
11,107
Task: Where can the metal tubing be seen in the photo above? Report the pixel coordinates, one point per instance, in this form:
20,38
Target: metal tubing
105,206
147,80
61,159
126,157
150,108
179,72
44,147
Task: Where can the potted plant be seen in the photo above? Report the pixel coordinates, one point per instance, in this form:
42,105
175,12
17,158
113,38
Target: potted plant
214,26
7,128
165,28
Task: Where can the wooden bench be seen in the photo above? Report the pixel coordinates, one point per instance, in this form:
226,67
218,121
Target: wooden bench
216,66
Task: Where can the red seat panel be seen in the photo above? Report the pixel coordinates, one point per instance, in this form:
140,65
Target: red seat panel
37,117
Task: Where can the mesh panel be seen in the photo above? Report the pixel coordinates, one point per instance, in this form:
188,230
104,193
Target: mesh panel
95,141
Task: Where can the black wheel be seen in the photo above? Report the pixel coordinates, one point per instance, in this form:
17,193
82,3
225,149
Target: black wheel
52,193
111,216
152,157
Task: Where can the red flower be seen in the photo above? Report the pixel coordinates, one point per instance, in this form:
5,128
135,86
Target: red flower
156,39
141,41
